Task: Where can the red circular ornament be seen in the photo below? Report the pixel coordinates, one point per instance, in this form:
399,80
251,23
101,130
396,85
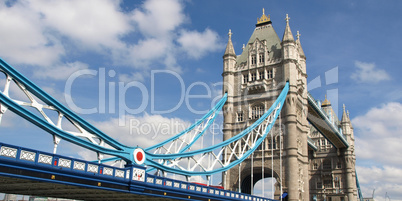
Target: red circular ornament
139,156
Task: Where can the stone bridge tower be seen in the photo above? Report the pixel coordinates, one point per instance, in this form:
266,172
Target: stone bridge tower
253,81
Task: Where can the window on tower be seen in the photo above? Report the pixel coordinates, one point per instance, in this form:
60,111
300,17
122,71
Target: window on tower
327,165
253,76
262,75
257,111
253,59
261,58
240,116
319,185
245,78
269,74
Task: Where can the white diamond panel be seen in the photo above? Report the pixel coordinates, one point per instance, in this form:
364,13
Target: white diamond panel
64,163
93,168
119,173
45,159
8,151
158,181
79,165
150,180
108,171
27,155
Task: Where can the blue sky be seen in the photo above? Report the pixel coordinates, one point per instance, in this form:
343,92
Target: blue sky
174,48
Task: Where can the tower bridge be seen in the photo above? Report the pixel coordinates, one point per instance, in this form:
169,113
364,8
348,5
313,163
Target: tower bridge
311,153
272,128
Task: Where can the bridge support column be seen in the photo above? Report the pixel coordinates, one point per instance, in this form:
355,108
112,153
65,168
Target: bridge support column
350,180
291,149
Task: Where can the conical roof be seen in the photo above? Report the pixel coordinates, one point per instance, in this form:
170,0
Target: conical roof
299,47
264,31
287,35
229,47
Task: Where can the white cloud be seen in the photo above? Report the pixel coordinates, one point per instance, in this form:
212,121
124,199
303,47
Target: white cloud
158,18
368,73
24,39
43,34
387,179
132,77
61,72
378,136
380,129
197,44
144,131
91,23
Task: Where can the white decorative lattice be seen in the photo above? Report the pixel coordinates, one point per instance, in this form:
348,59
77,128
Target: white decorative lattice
158,181
119,173
92,168
192,187
204,190
27,155
169,183
216,192
150,180
64,163
184,186
198,189
79,166
45,159
8,151
176,185
211,191
108,171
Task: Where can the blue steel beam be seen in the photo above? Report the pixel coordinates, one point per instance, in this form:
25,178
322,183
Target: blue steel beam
316,116
276,107
120,150
26,166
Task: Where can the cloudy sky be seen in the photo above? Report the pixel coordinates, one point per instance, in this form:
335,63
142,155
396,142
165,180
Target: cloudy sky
120,64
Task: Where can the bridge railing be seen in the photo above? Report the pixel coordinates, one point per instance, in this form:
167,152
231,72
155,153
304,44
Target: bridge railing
199,189
43,161
26,156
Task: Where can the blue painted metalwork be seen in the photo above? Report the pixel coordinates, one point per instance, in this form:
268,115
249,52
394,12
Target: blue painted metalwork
120,150
323,116
214,111
33,161
276,108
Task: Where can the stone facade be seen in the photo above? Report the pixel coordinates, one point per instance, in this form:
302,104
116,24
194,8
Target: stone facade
332,171
253,81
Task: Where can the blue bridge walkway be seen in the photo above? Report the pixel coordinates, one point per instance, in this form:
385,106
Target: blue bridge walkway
31,172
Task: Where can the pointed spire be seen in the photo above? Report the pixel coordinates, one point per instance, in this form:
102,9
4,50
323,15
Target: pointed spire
287,36
345,117
229,47
299,47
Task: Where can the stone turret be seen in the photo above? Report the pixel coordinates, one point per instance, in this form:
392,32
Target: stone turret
229,61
